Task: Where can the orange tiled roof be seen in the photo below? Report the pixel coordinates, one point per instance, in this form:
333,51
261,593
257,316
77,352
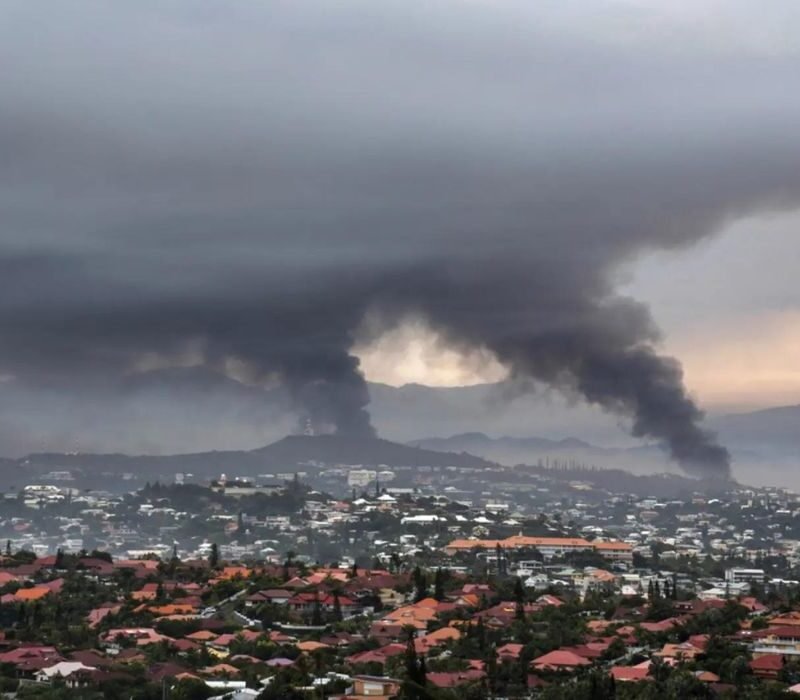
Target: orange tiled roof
35,593
234,571
411,612
474,544
219,669
442,634
517,541
616,546
521,541
201,636
786,620
172,609
560,658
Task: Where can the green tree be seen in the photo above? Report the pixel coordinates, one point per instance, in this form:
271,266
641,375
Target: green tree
413,686
438,584
287,564
190,689
498,551
337,607
213,557
519,598
240,523
420,584
316,613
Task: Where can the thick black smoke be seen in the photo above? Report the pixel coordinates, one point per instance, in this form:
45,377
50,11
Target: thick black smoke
241,184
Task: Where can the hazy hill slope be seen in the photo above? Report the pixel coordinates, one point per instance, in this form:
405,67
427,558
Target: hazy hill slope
297,449
772,428
284,454
532,450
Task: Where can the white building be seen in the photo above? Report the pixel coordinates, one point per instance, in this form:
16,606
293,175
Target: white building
744,575
62,669
361,477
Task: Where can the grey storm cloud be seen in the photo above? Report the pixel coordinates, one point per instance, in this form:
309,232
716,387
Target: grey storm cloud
254,179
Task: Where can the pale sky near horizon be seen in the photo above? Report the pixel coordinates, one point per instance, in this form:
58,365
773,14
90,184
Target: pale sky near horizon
729,309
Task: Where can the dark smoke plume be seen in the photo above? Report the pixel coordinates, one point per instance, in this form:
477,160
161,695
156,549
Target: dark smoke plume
239,185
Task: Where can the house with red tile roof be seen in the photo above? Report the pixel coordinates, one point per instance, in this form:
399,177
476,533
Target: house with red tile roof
277,596
377,655
789,619
220,670
548,599
185,645
28,652
27,595
590,650
171,609
201,636
559,660
142,636
370,656
279,637
509,652
627,674
296,583
707,677
437,638
6,578
96,616
417,615
662,626
754,607
385,632
223,641
231,572
685,651
455,679
767,666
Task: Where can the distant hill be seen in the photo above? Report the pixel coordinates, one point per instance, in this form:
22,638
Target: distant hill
285,454
567,451
772,429
765,446
479,441
297,449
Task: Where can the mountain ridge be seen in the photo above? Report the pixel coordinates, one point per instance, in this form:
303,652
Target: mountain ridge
287,454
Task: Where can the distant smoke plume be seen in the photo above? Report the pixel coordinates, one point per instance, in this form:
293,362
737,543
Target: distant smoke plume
253,181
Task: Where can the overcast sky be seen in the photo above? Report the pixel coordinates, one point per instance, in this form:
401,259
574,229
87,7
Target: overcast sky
730,309
585,193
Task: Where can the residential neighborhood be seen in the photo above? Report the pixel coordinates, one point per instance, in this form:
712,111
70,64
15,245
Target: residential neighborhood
191,592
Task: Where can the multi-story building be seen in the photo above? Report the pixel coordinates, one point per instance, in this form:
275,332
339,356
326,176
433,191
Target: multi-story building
737,575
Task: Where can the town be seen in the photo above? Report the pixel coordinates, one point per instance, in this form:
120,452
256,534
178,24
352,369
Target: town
352,582
399,350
